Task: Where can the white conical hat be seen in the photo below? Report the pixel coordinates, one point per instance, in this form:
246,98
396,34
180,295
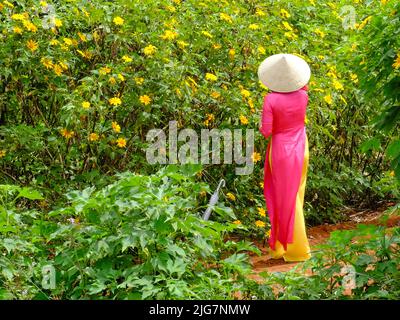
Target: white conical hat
284,72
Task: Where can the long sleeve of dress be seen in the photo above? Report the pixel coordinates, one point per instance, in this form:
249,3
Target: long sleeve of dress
266,118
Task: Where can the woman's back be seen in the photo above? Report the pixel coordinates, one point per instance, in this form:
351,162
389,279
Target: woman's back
289,110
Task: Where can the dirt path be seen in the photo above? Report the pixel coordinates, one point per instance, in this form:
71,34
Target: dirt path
316,235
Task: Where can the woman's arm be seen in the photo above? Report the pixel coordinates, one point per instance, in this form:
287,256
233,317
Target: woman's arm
266,118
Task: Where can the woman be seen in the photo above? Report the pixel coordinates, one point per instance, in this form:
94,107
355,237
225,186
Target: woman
286,163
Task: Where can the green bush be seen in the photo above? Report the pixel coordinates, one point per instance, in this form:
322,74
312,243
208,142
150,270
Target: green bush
370,253
139,238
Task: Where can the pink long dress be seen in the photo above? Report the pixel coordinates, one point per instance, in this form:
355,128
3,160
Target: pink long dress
283,116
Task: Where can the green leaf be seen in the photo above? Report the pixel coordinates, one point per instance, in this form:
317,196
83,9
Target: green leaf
393,149
371,144
30,194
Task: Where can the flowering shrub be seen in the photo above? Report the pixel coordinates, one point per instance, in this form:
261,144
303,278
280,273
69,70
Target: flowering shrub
381,59
81,85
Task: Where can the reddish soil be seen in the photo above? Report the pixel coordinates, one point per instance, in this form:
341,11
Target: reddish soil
317,235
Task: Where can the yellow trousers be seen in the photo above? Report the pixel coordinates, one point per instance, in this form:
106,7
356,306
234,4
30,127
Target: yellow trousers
299,250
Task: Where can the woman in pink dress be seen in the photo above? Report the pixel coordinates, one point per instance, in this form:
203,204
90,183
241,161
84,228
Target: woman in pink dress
285,171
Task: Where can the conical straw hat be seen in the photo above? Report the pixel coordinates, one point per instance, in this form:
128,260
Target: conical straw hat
284,72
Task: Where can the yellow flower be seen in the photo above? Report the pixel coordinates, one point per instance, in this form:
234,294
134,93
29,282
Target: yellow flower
320,33
262,184
231,54
82,37
337,85
112,80
328,99
364,23
237,222
287,26
121,77
182,44
207,34
57,22
17,30
93,137
261,50
139,81
178,92
391,173
169,35
211,77
254,26
121,142
57,69
118,21
85,12
145,99
251,104
2,153
245,93
8,4
216,46
116,127
210,118
284,14
231,196
332,72
104,70
18,17
66,133
68,41
170,8
243,119
291,35
115,101
63,65
149,50
268,233
127,59
261,212
260,223
86,54
54,42
43,3
47,63
32,45
332,5
85,104
215,94
354,77
383,2
225,17
260,13
256,157
396,63
305,120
